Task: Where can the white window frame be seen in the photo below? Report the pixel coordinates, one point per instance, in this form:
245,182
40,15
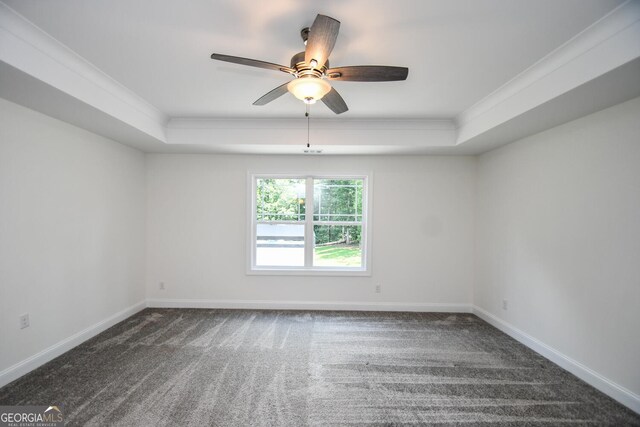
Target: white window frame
308,270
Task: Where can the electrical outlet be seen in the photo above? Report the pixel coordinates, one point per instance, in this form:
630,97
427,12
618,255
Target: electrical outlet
378,289
505,304
161,286
24,321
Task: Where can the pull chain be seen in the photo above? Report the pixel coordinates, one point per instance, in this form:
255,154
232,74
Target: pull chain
306,114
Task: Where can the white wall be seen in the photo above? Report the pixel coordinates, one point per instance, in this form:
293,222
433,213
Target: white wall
422,230
72,217
555,231
558,236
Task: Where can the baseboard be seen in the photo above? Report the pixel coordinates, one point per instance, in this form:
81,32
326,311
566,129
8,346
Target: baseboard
14,372
608,387
310,305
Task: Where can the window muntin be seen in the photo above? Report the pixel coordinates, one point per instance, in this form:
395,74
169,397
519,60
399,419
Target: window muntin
285,238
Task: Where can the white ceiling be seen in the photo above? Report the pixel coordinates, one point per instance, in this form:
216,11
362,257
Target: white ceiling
457,51
482,73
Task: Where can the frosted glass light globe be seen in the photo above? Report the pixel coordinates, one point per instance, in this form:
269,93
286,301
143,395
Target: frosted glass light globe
309,89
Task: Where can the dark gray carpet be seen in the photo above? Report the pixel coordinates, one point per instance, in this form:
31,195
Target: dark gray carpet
296,368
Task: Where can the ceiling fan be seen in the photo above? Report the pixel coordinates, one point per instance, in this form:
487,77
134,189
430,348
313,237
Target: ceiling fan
311,68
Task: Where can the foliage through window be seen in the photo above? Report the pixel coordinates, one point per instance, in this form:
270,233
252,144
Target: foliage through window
331,237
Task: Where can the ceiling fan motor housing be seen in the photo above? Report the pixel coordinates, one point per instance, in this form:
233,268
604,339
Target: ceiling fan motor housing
303,69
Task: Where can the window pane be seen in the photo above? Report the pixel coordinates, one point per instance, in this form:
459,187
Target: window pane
280,199
337,246
337,200
280,245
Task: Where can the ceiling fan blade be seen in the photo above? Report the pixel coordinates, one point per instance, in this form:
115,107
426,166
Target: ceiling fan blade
334,101
252,63
322,37
368,73
270,96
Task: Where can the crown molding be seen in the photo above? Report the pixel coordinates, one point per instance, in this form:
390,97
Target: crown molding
301,123
29,49
604,46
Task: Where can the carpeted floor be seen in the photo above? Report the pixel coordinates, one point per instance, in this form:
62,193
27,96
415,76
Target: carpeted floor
296,368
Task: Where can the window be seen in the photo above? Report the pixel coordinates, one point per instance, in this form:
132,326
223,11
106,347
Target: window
309,224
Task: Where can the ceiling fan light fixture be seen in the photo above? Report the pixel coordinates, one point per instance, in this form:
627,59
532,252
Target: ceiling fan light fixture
311,66
308,89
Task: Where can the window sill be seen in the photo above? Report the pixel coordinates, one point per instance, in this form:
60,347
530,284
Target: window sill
306,272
